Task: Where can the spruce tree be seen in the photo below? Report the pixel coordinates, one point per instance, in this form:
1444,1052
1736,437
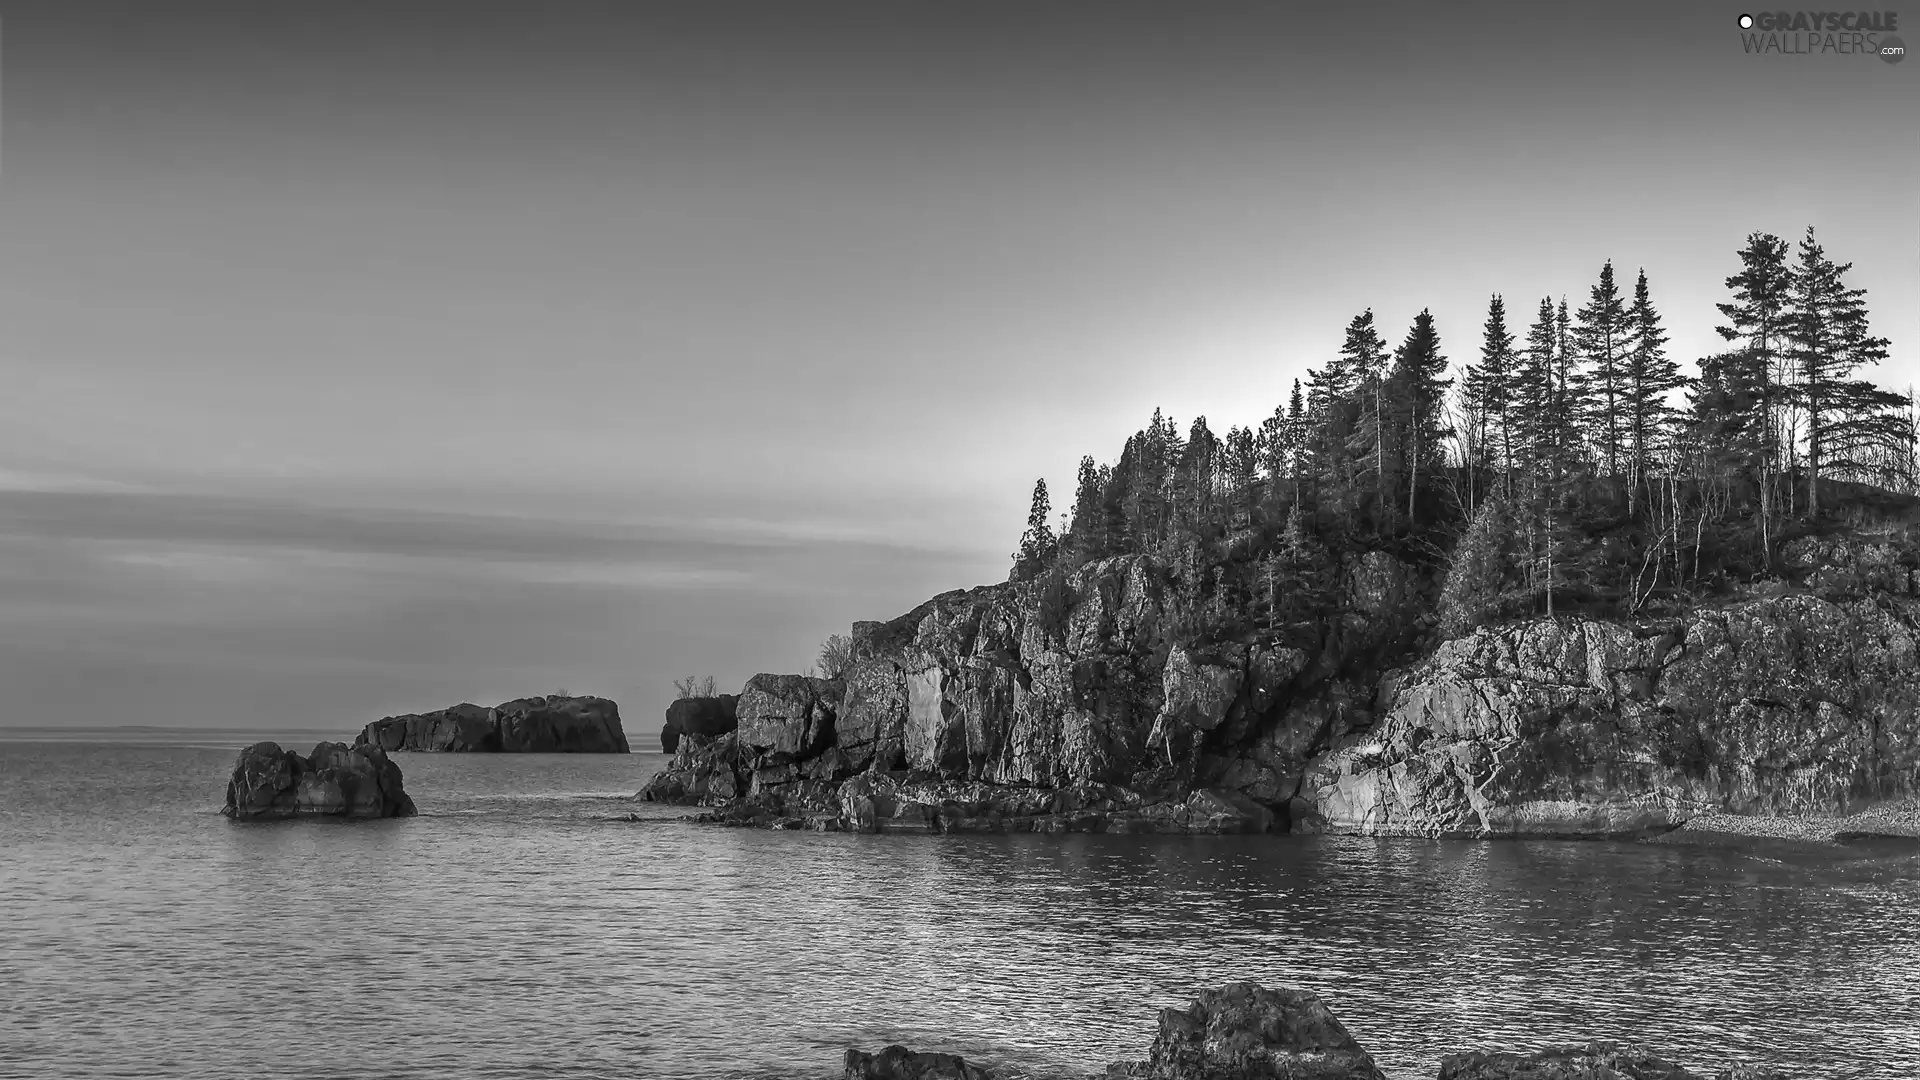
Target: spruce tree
1601,336
1649,377
1827,341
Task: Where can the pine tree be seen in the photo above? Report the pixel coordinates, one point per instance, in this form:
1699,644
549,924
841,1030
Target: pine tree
1038,545
1601,336
1827,341
1418,367
1649,377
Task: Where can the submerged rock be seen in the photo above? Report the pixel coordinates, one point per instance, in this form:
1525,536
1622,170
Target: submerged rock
335,781
1594,1061
900,1063
538,725
1243,1031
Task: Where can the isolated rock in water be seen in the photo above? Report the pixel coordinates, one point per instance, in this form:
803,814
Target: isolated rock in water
538,725
900,1063
1243,1031
698,716
1595,1061
336,781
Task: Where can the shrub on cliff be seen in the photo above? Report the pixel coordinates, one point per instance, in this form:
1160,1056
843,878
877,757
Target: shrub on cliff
1482,578
692,687
836,655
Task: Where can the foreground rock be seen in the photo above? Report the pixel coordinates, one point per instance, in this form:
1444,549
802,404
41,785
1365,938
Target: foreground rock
536,725
335,781
1243,1031
707,716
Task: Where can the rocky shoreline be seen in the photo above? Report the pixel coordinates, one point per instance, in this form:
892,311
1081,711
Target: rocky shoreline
1068,706
1244,1031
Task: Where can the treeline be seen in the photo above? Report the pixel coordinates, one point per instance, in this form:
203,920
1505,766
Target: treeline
1572,463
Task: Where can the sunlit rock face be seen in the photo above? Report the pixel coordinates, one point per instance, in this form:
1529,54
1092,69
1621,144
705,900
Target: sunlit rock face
335,781
1793,704
1066,704
554,724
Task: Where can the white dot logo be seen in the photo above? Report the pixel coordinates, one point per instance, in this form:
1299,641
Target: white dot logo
1746,22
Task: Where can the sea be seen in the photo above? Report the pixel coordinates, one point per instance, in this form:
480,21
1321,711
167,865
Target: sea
534,921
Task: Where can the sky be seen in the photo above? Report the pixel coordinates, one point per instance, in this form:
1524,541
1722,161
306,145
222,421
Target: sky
368,358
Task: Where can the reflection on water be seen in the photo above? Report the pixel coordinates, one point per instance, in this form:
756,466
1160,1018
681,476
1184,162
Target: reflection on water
522,928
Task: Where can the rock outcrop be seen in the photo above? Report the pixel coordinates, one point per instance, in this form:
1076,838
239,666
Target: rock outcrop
708,716
1069,704
334,781
536,725
1243,1031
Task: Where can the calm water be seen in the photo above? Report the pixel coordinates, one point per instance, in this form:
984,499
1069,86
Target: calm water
521,927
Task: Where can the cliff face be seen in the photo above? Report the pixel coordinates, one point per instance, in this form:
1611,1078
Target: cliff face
538,725
1030,706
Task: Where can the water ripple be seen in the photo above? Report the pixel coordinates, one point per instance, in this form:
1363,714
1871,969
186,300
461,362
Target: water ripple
523,928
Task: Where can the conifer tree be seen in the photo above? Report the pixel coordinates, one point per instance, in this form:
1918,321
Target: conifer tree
1649,377
1086,532
1242,466
1038,545
1600,336
1827,341
1364,356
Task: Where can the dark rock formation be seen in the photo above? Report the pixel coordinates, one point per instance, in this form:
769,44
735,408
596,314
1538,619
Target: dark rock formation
900,1063
537,725
1243,1031
336,781
698,716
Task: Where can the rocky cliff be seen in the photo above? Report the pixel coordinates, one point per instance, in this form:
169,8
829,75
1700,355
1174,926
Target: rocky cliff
537,725
1068,705
334,781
